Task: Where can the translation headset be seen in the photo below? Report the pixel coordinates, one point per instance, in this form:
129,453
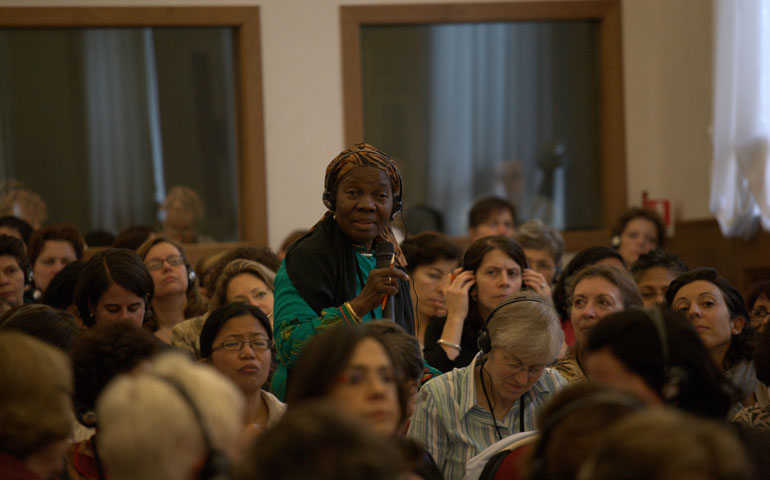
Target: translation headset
673,377
216,464
484,342
330,197
191,276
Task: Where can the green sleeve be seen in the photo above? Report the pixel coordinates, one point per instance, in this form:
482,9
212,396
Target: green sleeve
295,323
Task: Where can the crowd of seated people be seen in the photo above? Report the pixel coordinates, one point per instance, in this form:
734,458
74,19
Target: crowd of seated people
352,355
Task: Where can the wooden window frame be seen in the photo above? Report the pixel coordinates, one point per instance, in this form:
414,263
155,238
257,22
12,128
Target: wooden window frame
252,198
611,130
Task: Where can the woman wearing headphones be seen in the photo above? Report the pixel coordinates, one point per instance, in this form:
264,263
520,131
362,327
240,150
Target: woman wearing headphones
492,269
330,276
176,297
114,286
461,413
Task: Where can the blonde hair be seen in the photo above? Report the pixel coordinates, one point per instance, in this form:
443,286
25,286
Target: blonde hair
629,291
36,403
143,416
232,270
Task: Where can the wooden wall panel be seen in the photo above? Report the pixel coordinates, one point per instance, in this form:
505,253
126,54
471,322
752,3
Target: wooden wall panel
701,243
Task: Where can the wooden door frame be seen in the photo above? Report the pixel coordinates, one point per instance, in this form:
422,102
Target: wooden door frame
251,187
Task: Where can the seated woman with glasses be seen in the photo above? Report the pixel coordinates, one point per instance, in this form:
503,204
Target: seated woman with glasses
758,304
237,340
461,413
176,296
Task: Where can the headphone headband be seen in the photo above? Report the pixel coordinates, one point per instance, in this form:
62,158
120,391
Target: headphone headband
331,179
484,342
216,463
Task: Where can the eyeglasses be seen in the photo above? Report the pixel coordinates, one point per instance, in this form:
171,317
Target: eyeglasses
237,345
173,260
517,367
759,314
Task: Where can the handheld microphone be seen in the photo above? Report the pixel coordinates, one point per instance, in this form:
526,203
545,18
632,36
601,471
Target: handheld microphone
385,254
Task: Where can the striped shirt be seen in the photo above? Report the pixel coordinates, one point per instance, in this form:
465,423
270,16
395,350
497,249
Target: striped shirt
452,426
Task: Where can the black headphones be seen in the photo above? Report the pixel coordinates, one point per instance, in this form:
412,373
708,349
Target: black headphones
216,464
537,462
673,377
484,342
191,276
330,197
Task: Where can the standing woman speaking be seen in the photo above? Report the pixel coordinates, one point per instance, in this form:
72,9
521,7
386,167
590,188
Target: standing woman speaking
329,276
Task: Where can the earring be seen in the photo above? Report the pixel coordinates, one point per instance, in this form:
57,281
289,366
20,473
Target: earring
89,419
616,241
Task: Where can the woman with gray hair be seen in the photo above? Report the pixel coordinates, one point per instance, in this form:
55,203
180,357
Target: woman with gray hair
543,246
461,413
241,281
173,420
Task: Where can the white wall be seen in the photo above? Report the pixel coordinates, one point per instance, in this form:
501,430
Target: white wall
667,58
668,49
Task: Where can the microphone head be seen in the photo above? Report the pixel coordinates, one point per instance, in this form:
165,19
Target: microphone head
384,252
384,248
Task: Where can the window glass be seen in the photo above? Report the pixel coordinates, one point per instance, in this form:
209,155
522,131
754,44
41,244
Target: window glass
494,108
102,123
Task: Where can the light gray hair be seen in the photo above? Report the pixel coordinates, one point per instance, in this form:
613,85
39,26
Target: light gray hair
537,235
142,416
530,326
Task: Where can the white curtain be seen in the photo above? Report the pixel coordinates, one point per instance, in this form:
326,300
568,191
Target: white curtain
120,150
740,183
479,120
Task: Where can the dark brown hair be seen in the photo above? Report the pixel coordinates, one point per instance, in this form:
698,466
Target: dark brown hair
646,214
484,208
105,268
61,231
741,345
428,247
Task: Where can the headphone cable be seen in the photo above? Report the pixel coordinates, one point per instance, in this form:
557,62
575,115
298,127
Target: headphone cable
490,404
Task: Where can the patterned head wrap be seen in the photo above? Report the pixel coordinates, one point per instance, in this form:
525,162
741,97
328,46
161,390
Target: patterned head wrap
364,155
361,155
